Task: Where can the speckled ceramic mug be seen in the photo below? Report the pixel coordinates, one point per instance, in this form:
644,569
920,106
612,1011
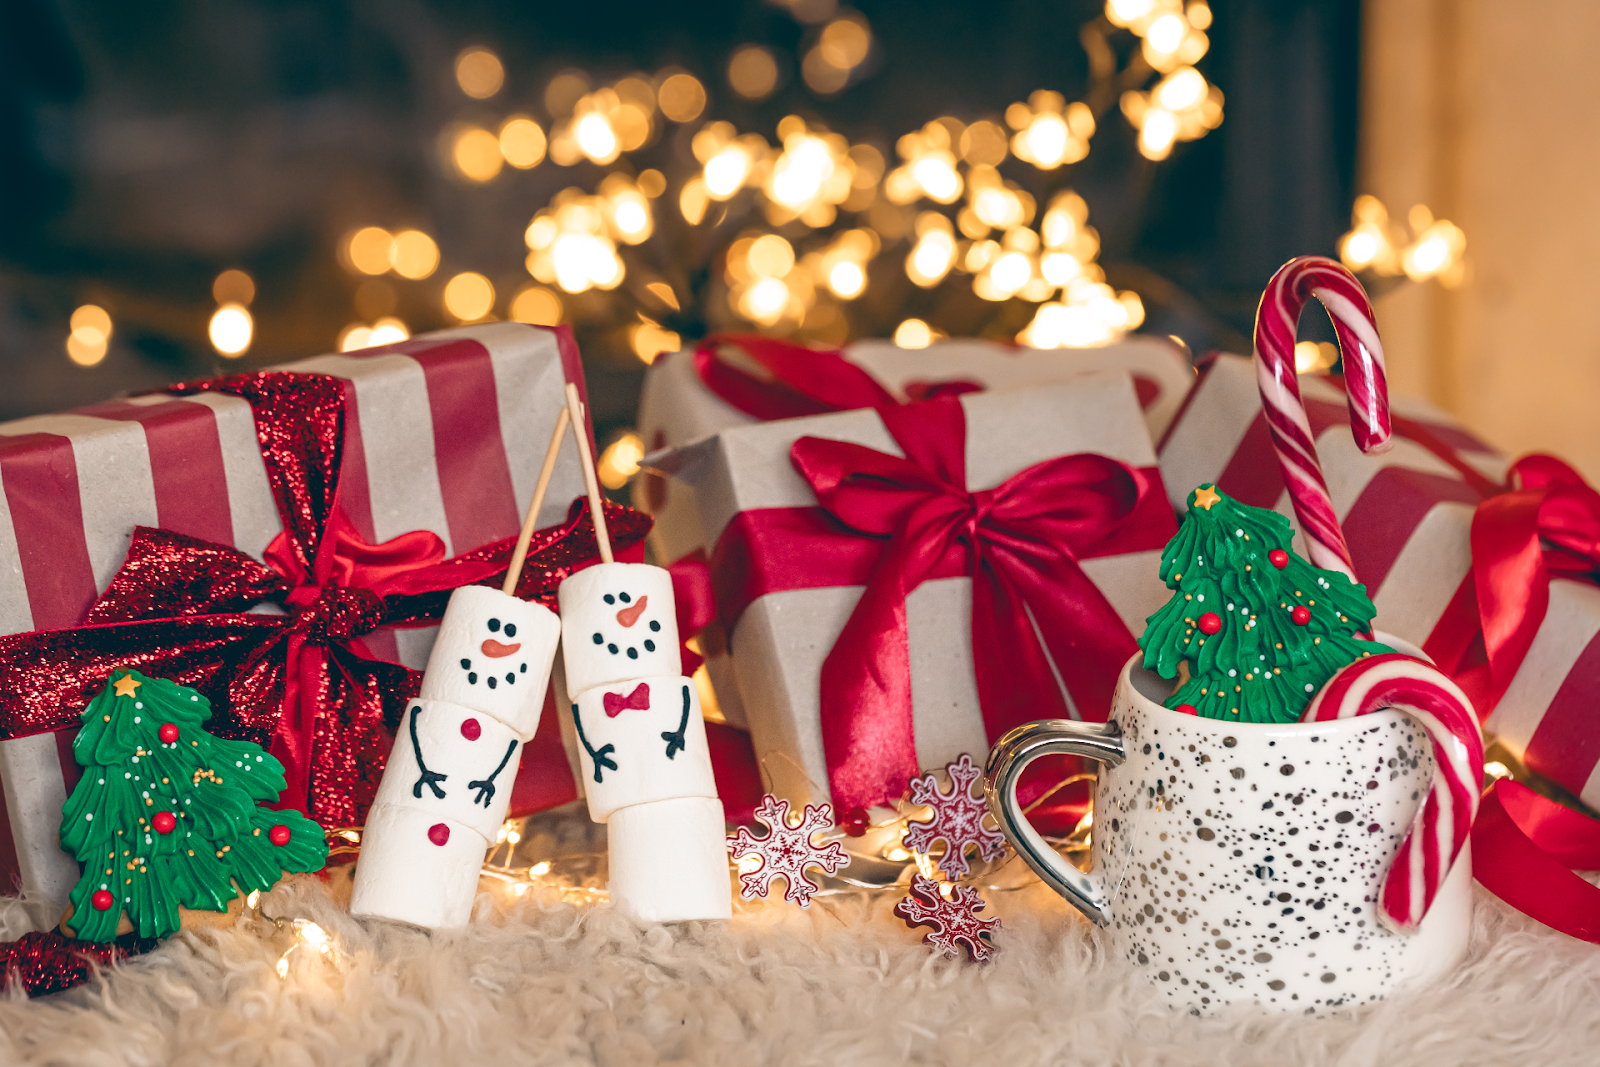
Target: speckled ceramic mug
1240,863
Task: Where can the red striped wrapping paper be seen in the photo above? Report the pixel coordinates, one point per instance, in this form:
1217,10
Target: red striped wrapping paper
444,432
1407,515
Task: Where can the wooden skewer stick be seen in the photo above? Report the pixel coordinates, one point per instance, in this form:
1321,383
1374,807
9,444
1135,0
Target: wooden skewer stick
520,554
597,509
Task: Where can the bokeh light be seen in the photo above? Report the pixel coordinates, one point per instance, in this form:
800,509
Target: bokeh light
650,340
522,142
370,250
469,296
233,286
90,336
416,256
681,97
480,73
536,305
913,333
231,330
753,72
620,460
476,153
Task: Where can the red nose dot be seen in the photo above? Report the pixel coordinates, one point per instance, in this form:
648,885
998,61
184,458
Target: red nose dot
470,729
1278,558
169,733
1185,709
1301,615
439,834
1210,623
278,835
102,901
164,821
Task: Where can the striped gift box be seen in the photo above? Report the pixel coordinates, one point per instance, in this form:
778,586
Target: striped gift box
444,432
1407,515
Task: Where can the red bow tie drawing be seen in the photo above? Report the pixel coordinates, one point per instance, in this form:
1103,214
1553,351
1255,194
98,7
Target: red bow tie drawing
638,700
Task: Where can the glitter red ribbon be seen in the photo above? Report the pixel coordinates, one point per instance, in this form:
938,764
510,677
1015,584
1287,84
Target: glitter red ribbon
296,682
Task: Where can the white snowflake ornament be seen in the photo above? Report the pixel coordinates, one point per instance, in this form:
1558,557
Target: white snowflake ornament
957,819
955,921
786,851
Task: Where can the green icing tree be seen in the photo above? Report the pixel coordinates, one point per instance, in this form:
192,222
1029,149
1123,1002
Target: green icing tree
1260,628
166,814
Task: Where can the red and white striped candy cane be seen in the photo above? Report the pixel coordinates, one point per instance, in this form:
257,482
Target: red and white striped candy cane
1444,821
1276,319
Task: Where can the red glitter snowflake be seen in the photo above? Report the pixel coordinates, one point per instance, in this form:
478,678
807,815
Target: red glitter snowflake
786,851
957,819
955,921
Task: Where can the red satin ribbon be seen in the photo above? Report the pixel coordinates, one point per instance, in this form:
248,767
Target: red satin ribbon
297,682
908,520
1525,849
803,381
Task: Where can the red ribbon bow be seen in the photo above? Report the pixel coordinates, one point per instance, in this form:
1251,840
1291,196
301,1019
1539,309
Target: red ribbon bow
295,682
638,700
797,381
1020,542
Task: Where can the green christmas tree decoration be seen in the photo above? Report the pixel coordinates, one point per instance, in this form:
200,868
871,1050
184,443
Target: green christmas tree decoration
1259,628
166,813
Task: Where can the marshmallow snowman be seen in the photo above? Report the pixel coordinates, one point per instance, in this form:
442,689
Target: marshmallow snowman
646,766
449,777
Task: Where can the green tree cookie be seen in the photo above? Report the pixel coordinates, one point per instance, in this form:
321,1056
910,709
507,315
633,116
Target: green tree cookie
1260,628
166,814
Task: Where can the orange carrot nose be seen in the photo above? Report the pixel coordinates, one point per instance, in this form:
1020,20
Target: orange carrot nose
495,650
629,616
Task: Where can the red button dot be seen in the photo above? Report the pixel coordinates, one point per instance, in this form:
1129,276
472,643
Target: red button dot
102,901
279,835
439,834
470,729
1185,709
1278,558
855,822
169,733
1210,623
1301,614
164,821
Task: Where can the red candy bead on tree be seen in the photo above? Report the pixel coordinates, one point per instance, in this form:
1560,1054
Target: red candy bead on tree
102,901
169,733
1185,709
164,822
1259,636
279,835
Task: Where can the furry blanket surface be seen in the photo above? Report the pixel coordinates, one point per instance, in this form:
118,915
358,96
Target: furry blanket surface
537,980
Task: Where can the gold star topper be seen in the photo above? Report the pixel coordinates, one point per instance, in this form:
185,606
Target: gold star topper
126,685
1205,496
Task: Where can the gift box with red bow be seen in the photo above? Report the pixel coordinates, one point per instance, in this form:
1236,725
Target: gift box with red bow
740,380
283,542
1490,566
899,586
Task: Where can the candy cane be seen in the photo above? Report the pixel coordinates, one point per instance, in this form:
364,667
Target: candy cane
1445,819
1276,319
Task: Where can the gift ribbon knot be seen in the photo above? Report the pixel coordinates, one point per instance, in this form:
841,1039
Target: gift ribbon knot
1036,615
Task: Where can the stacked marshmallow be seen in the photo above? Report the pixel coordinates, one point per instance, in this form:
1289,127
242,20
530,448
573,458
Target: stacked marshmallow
646,769
445,789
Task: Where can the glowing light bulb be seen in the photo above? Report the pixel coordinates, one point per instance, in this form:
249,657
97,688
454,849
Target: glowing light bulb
931,258
1010,272
1182,89
1047,139
765,301
936,174
387,331
726,171
1166,33
846,279
913,333
596,139
231,329
620,461
1157,133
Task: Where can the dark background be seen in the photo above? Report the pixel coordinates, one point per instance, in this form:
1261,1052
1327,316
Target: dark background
145,147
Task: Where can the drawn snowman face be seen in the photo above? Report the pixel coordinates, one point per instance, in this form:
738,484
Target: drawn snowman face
500,658
618,622
493,655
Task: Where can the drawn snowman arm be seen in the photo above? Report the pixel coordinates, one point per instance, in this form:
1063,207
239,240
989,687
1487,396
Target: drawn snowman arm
427,778
485,787
600,758
674,738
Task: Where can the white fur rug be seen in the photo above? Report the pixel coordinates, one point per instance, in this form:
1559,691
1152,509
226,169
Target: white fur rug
538,981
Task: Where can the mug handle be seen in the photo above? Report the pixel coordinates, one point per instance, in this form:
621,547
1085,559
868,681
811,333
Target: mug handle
1008,759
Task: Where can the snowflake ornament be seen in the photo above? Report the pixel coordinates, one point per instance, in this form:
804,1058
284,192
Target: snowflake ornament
957,819
786,851
955,921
